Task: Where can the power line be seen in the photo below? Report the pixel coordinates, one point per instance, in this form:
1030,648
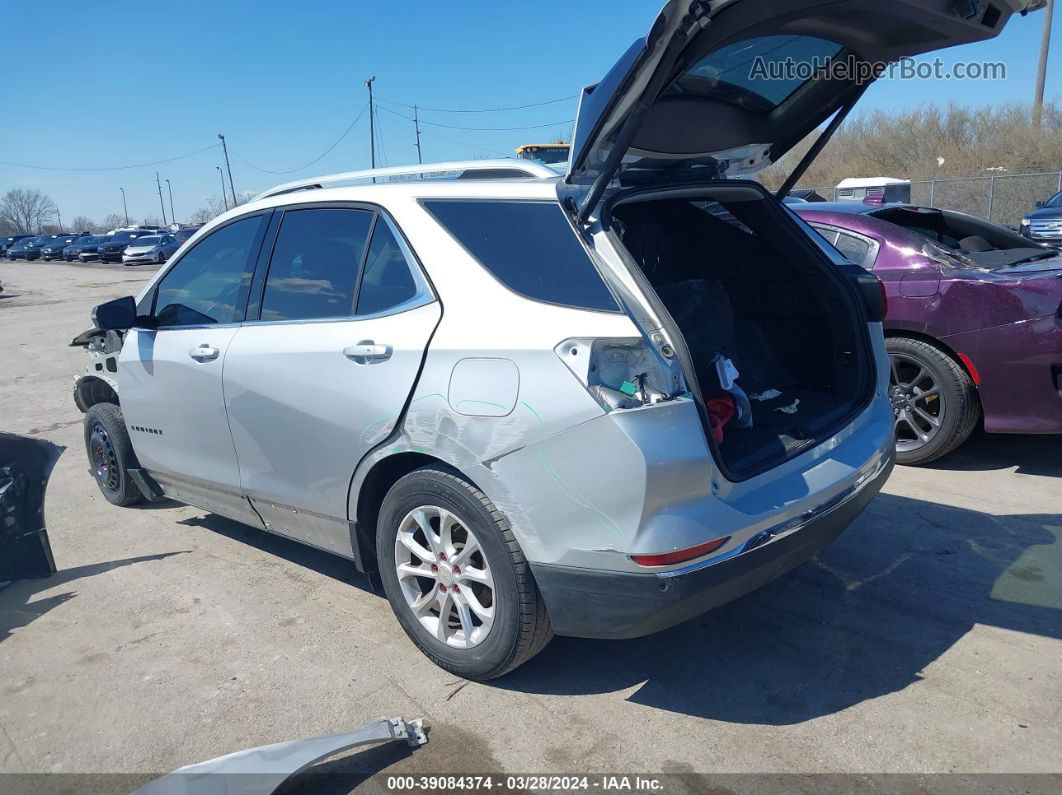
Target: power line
307,165
480,110
481,129
112,168
467,144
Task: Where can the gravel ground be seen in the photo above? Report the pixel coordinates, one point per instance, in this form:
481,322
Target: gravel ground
926,639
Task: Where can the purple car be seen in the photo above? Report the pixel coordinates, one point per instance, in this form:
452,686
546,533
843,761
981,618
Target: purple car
974,323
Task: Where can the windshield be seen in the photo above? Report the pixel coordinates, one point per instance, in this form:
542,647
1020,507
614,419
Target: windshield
147,241
1054,201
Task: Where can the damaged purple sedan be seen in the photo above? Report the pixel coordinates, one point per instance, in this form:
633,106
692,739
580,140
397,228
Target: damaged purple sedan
974,324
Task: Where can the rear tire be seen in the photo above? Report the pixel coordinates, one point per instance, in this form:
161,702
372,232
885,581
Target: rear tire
110,454
513,625
934,400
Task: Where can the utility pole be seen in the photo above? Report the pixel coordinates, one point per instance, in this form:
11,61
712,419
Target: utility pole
224,198
59,217
173,215
416,126
372,126
1041,72
125,207
228,168
162,204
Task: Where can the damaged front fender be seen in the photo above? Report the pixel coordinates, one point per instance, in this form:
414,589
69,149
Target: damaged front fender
25,465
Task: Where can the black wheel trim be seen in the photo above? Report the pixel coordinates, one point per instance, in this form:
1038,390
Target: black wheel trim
918,404
105,466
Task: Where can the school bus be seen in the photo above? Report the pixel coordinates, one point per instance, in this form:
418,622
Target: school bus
546,154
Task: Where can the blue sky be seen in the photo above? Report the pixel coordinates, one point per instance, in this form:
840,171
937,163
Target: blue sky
109,83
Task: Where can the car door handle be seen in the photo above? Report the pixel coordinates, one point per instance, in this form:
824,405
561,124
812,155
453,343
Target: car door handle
204,353
368,351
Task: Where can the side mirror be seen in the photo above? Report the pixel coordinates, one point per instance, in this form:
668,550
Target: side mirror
116,315
1040,203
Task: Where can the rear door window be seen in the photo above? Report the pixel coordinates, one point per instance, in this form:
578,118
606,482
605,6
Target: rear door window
313,272
529,247
388,281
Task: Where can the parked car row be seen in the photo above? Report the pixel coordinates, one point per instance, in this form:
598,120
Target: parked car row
128,246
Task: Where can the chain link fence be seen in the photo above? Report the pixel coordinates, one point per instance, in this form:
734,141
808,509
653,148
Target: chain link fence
1002,198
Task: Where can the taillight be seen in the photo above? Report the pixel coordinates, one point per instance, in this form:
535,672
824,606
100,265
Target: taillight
872,290
621,373
681,555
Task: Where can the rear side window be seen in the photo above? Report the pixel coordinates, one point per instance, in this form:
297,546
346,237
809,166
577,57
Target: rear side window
313,272
529,247
855,248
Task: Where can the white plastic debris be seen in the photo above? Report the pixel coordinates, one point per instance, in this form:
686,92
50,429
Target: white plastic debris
791,408
767,394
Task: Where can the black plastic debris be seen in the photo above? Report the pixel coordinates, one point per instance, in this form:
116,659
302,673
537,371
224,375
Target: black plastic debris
25,465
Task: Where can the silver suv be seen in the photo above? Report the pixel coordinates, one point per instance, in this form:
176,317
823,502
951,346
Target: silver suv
526,404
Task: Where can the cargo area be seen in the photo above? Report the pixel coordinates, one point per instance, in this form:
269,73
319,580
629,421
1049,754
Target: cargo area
741,287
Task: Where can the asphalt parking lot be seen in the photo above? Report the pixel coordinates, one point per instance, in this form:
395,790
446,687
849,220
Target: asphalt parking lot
928,638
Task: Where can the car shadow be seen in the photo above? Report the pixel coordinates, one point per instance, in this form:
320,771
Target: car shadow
1032,454
898,589
311,558
16,609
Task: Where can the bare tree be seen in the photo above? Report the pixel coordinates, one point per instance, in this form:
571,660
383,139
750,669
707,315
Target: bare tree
83,223
26,210
932,141
216,204
112,221
151,220
202,215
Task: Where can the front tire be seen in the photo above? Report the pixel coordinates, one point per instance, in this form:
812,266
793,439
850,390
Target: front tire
933,398
110,454
456,578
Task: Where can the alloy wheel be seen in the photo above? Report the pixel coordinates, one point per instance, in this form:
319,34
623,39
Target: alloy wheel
444,576
917,402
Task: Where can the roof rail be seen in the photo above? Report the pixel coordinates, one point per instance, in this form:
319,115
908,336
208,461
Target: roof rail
458,169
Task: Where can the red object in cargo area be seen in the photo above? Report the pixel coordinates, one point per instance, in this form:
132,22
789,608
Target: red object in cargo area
720,411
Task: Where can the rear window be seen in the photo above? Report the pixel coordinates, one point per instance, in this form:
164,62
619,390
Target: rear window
759,73
529,247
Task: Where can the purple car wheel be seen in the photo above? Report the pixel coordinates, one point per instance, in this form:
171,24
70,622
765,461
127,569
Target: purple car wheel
933,400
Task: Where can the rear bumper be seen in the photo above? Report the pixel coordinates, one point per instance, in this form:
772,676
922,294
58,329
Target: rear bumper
608,604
